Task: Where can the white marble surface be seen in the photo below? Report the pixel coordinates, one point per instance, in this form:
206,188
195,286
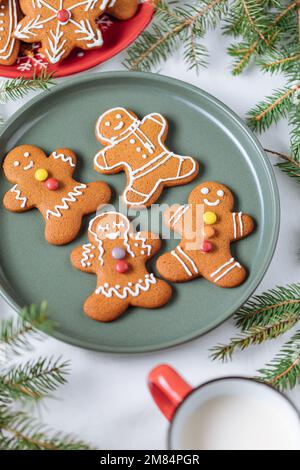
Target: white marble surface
106,400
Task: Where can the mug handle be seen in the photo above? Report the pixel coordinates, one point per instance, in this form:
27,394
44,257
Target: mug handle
168,389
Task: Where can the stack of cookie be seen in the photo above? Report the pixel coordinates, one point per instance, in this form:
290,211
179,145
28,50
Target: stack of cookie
114,251
57,25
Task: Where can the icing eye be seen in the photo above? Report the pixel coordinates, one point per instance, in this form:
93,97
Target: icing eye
132,141
116,225
16,163
118,116
26,154
107,124
220,193
204,190
102,228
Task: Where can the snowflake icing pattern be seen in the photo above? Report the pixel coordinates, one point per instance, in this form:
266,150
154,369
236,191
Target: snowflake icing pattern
63,19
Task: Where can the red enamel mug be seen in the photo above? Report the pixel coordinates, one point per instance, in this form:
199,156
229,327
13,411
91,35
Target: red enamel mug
229,413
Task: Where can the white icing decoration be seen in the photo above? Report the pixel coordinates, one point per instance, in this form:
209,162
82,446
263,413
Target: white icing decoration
132,289
241,225
119,126
83,28
178,214
8,47
204,190
184,261
71,197
23,199
145,245
26,154
118,116
64,158
173,252
135,130
214,203
231,265
220,193
29,166
107,124
188,258
100,242
16,163
86,255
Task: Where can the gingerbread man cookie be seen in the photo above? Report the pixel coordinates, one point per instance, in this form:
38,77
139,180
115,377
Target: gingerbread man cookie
137,147
122,9
61,25
205,246
47,184
117,255
9,45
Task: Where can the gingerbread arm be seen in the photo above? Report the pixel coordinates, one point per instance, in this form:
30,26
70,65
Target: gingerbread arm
64,159
17,200
144,244
242,225
154,125
85,258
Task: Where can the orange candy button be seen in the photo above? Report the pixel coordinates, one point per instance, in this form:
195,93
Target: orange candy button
208,232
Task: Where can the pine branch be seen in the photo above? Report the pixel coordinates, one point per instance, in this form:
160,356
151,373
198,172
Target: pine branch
173,27
283,371
33,380
255,335
17,88
269,307
22,433
272,109
16,334
290,166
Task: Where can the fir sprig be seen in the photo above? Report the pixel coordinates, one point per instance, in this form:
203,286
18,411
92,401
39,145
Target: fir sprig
290,165
19,432
173,28
29,382
17,88
17,334
265,317
283,371
35,379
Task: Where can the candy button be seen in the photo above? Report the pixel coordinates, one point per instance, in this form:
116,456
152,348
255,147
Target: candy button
208,232
118,253
41,174
209,218
206,247
52,184
122,267
63,15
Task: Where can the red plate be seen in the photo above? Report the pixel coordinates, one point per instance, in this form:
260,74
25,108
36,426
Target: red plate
117,35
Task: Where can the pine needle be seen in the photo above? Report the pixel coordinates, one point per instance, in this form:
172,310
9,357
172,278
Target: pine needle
17,88
283,372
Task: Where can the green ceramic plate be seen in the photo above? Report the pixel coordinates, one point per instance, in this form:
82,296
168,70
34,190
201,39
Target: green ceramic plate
201,126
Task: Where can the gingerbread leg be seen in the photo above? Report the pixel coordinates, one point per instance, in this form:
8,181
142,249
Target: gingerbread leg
157,296
63,230
226,272
100,308
177,266
148,184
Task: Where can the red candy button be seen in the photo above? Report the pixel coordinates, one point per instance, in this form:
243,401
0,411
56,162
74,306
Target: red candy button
121,266
52,184
206,247
63,15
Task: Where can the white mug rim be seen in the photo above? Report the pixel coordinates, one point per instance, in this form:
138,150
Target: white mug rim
225,379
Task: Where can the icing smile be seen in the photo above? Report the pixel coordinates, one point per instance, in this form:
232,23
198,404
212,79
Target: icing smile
209,203
119,126
29,166
112,236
